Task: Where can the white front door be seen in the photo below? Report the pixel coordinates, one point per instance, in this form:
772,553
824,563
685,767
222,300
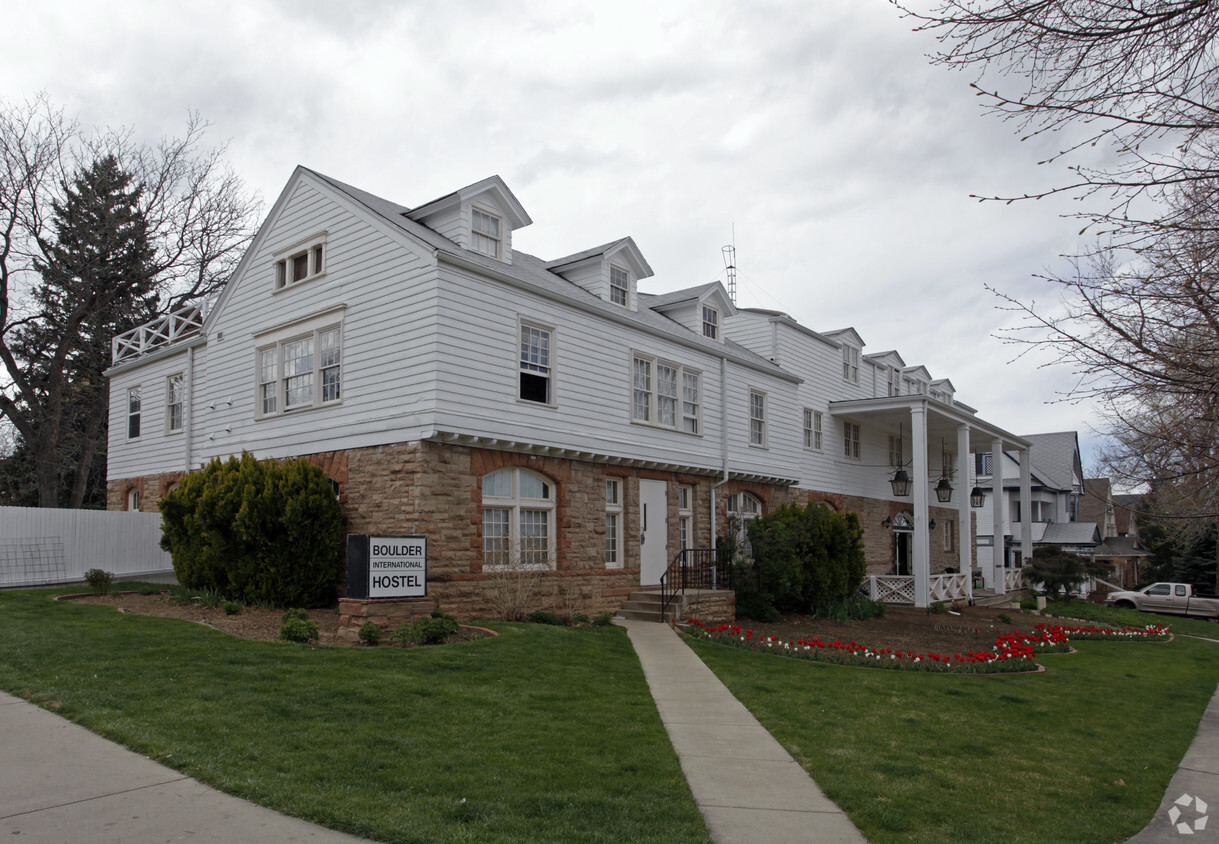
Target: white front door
653,531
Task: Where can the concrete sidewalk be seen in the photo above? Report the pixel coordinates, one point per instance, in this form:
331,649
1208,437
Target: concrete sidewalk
747,786
61,783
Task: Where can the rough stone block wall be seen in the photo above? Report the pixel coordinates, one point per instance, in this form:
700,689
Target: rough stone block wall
716,609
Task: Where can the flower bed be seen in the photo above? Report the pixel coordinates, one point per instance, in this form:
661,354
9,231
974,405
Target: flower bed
1013,652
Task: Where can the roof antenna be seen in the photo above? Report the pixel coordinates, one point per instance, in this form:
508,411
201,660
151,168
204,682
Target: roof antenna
730,265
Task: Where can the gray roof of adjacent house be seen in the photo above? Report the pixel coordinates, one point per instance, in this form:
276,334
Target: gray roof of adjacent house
1060,533
1055,458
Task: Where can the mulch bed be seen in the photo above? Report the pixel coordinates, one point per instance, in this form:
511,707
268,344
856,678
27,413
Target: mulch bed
251,623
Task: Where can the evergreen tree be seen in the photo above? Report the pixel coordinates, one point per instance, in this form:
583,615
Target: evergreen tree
97,280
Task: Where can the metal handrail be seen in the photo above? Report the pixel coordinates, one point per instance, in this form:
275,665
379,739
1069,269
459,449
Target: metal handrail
692,568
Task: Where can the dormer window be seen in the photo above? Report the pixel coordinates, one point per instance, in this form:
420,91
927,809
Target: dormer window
850,364
484,233
304,262
711,322
620,285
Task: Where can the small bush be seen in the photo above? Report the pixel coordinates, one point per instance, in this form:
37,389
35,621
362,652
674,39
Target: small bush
99,580
937,608
439,613
298,630
429,630
205,597
1004,618
605,619
232,607
295,612
543,617
580,618
370,633
149,589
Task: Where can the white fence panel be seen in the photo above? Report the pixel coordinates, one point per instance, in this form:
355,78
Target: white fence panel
41,546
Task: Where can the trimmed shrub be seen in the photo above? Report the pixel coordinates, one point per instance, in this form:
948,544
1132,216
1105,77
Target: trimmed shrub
804,556
369,633
429,630
232,607
263,532
543,617
298,629
605,619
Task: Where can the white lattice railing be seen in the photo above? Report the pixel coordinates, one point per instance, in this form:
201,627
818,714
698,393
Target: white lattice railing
162,331
891,588
949,587
1013,579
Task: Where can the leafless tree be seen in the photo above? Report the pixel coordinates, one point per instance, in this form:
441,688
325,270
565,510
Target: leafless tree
1137,314
200,219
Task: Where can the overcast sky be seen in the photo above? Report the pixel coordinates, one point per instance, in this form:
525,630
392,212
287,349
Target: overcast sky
817,131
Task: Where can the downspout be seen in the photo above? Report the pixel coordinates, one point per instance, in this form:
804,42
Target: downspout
723,453
189,410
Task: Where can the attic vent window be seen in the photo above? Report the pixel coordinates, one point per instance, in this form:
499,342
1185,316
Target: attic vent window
302,263
711,323
484,233
620,285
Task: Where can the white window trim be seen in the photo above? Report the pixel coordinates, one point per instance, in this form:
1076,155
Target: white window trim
498,254
138,392
849,428
514,503
850,363
309,247
626,290
552,355
169,404
764,419
615,508
814,429
309,326
685,515
714,325
133,499
653,408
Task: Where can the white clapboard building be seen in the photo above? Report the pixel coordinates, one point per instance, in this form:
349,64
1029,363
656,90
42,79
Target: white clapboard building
546,414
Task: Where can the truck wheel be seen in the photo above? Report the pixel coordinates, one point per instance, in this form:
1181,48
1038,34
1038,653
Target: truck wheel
1125,605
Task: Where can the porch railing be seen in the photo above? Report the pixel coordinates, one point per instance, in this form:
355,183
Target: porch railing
1013,579
949,587
889,588
692,568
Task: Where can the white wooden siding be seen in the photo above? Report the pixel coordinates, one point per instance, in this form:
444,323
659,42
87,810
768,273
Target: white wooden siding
156,450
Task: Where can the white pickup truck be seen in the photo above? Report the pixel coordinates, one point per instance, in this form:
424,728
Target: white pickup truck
1175,598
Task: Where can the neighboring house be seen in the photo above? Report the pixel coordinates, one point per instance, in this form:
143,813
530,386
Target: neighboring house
541,414
1052,502
1119,546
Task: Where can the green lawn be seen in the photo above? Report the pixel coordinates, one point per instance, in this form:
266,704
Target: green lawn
1081,753
540,734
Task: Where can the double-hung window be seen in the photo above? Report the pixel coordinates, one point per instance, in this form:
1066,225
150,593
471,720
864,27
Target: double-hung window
895,451
711,322
134,400
300,365
850,364
620,285
535,375
757,418
303,261
484,233
812,429
613,523
850,440
175,402
665,394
